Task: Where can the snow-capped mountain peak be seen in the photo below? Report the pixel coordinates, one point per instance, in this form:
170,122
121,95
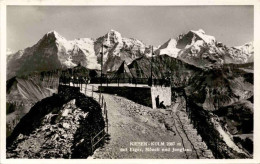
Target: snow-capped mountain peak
206,38
247,47
168,48
171,43
113,37
52,32
55,35
244,53
187,40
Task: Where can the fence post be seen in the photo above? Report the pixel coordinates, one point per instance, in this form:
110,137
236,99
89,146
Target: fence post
107,125
105,107
107,121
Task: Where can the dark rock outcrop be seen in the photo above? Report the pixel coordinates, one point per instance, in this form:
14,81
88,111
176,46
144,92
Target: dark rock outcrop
60,126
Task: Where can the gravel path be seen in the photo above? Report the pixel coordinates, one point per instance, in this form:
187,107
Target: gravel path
129,123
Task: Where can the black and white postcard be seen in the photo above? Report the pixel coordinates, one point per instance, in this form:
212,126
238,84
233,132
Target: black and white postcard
139,81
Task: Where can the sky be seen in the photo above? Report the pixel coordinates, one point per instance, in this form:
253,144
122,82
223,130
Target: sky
153,25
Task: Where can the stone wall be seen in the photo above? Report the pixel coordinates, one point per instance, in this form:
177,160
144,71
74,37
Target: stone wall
144,96
136,94
164,94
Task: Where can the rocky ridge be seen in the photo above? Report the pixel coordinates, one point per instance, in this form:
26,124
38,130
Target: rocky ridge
59,126
24,92
54,138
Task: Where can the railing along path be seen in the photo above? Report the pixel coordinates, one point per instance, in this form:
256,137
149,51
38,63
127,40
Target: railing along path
93,91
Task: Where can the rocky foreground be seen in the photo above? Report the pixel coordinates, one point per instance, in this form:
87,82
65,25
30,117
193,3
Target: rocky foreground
62,132
51,140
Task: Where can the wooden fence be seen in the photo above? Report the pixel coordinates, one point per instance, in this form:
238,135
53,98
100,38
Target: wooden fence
100,136
105,81
135,81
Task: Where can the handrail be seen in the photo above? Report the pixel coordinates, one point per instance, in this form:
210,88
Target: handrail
102,103
106,80
98,140
98,133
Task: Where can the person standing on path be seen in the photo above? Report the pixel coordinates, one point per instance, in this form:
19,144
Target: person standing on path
157,100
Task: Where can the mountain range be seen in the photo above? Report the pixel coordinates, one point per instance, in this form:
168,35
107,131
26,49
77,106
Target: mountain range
53,51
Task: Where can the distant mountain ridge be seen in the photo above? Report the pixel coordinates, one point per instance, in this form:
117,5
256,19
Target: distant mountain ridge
55,52
202,50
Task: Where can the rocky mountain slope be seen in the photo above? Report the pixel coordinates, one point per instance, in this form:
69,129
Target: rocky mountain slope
227,84
180,73
221,87
23,92
59,126
225,90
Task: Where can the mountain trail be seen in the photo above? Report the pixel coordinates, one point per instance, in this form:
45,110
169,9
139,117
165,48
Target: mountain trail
129,123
